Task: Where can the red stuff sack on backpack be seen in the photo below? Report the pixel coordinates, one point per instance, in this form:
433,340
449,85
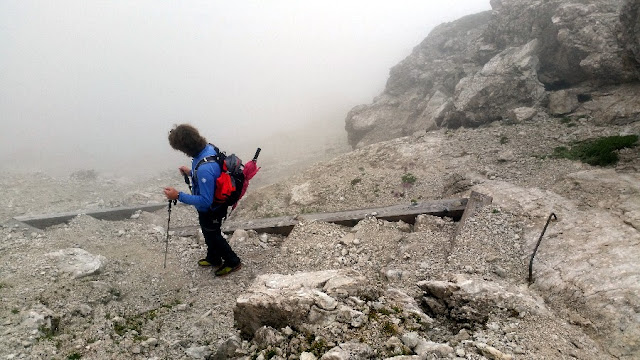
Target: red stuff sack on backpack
229,183
231,180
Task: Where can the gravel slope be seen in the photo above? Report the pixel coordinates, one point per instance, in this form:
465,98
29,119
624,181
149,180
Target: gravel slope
136,308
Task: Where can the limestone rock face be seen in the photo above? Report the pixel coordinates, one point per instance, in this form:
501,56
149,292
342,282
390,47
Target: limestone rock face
630,22
509,80
420,88
579,39
587,266
480,68
611,105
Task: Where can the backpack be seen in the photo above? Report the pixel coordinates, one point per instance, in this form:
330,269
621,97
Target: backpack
231,180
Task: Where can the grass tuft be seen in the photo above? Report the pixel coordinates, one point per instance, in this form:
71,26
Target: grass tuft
597,152
408,179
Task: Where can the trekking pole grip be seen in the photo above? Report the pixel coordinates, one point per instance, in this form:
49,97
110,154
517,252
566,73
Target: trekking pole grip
255,157
187,181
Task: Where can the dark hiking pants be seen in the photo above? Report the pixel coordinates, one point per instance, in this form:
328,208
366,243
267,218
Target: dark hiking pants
217,245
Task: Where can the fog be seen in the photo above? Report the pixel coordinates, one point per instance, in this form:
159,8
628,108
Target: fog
98,84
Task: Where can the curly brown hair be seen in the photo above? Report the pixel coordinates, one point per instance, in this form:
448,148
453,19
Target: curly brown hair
187,139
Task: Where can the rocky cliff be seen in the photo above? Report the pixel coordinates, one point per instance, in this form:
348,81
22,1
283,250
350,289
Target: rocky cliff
563,57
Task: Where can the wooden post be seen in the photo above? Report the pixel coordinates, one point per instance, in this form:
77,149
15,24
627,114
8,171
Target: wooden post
475,203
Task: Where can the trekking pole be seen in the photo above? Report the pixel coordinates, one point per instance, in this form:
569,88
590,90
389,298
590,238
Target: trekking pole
166,247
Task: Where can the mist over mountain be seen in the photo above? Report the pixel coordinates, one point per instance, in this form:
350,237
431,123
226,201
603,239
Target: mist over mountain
525,115
99,84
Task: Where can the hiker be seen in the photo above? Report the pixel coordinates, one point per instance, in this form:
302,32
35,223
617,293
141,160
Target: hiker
187,139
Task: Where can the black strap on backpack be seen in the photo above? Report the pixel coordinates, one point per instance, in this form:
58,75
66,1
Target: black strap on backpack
235,175
217,158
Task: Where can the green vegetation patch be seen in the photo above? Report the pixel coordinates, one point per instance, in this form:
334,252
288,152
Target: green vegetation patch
48,332
597,152
408,179
271,353
136,322
319,347
384,311
389,328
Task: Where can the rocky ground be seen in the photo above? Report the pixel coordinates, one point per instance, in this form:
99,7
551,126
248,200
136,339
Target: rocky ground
415,296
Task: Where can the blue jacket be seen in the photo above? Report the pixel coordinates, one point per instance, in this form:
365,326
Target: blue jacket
204,185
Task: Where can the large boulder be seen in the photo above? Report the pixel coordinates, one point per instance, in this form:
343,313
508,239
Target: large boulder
293,300
579,39
472,301
587,33
508,81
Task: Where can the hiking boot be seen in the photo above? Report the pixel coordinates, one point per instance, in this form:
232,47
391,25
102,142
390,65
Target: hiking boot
226,269
205,262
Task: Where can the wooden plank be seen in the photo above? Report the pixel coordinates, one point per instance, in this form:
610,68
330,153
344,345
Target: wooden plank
475,203
278,225
283,225
407,213
20,225
112,214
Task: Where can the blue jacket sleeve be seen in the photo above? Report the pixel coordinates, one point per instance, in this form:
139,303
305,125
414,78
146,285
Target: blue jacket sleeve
206,177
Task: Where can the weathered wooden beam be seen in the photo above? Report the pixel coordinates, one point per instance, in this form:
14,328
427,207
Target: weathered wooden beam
112,214
475,203
283,225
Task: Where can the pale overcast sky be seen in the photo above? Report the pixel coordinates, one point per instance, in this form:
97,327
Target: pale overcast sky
90,81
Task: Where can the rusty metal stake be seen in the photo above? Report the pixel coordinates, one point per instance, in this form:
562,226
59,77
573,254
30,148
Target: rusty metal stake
538,244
